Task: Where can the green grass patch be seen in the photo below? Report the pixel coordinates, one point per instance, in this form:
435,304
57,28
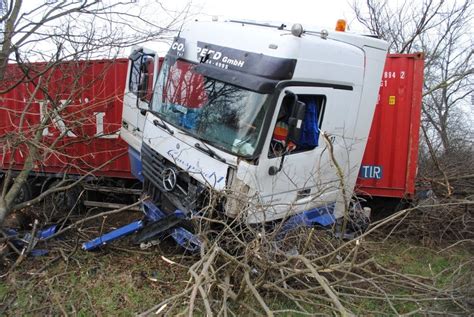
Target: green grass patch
92,284
425,262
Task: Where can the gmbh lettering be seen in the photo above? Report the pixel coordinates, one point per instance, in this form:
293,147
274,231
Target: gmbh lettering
220,56
212,177
371,172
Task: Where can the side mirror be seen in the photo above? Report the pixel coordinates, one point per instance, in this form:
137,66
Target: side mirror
295,122
136,54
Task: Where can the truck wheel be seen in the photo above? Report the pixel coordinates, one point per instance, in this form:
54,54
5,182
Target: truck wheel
25,194
62,202
359,218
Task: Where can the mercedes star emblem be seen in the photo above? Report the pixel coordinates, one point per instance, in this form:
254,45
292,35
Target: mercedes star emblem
169,179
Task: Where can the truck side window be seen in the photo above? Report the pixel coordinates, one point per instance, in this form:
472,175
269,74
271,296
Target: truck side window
141,77
315,106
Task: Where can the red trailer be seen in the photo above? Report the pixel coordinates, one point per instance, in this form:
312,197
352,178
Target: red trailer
390,161
83,100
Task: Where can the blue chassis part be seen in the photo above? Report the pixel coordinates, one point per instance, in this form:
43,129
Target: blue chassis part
113,235
182,236
323,216
41,235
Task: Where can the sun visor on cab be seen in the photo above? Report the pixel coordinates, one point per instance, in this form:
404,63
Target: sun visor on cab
243,80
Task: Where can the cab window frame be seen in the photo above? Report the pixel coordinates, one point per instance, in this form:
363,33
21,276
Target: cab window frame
145,64
321,102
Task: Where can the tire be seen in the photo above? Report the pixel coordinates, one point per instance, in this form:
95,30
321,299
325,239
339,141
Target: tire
63,202
24,194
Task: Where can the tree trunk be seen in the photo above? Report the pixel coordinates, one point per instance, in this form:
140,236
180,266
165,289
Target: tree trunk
6,202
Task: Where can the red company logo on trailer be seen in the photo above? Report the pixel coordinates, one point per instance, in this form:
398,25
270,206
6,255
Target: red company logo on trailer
82,102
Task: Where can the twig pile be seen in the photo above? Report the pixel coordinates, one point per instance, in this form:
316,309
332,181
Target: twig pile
248,270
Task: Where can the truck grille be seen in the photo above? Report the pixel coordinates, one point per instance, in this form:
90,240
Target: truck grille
153,166
184,194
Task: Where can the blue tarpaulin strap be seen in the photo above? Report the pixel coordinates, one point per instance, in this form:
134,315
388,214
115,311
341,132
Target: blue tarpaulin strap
310,132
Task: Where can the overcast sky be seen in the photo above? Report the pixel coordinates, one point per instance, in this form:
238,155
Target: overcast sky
322,14
313,12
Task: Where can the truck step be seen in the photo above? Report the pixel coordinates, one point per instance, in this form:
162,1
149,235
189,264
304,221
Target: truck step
100,204
116,190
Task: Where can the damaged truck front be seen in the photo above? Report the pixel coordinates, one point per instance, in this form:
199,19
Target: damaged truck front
256,121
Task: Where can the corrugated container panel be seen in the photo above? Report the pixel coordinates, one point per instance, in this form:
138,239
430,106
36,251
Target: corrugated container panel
389,165
94,91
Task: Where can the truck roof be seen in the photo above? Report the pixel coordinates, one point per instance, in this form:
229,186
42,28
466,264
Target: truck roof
320,55
231,31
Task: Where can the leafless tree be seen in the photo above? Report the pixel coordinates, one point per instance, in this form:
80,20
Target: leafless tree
53,32
443,31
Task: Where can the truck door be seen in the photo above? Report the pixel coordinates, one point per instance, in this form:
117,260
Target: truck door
307,178
142,72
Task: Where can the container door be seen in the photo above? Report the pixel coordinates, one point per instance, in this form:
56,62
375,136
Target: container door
390,160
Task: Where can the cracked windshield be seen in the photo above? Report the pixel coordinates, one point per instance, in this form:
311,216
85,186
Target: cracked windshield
224,115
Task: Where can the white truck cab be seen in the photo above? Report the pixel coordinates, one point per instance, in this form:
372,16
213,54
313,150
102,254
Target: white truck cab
141,77
143,66
275,118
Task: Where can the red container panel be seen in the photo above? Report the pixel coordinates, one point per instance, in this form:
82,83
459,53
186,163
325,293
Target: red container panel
84,103
390,160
